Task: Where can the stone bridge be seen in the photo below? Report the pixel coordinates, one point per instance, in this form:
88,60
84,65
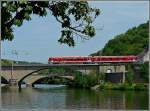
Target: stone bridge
20,72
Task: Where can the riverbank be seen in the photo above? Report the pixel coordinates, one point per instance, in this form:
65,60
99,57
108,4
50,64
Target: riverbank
121,86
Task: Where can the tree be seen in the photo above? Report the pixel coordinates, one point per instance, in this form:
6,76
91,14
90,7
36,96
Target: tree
129,78
132,42
144,70
75,17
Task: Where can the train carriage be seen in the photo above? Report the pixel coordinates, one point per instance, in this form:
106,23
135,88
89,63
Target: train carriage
92,59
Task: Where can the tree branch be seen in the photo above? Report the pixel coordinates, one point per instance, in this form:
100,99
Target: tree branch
10,23
68,26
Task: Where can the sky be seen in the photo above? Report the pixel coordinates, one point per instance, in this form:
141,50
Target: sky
37,39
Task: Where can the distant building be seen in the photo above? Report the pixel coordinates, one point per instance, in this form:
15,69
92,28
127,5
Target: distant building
144,56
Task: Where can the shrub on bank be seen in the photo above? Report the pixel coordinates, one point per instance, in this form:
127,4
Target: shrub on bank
88,81
122,86
144,71
84,81
140,87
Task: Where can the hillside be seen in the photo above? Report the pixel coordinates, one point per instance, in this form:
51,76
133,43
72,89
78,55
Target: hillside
132,42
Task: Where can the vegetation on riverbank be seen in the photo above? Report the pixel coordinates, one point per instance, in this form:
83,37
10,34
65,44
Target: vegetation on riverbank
132,42
89,81
80,80
123,86
144,70
84,81
52,80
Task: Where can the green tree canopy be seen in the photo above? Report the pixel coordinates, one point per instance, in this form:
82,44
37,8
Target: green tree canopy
144,70
132,42
75,17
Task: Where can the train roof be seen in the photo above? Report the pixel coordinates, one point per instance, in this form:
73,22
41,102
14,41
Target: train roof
92,56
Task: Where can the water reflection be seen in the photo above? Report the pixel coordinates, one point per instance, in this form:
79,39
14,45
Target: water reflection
107,99
64,98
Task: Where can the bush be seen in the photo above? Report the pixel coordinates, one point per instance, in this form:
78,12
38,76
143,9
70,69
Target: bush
138,87
144,71
84,81
102,86
108,86
129,78
125,86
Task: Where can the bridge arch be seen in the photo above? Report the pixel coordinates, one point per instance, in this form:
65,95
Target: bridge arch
31,82
23,78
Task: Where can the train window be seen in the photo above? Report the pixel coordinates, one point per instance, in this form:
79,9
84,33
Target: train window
98,58
92,58
103,59
110,59
95,58
115,59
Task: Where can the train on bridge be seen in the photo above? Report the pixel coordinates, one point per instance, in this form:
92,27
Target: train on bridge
92,59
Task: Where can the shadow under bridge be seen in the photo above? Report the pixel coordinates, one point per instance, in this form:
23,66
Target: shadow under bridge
35,77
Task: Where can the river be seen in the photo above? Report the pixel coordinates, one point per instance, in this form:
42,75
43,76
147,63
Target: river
60,97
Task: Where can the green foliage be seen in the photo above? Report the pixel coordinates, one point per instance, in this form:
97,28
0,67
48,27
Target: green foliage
131,42
6,62
102,76
80,80
121,86
144,71
66,37
59,71
75,17
139,87
84,81
52,80
129,78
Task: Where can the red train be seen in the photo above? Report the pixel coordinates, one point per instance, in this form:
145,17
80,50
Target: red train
92,59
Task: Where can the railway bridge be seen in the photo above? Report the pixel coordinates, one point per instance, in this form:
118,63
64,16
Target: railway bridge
20,72
102,64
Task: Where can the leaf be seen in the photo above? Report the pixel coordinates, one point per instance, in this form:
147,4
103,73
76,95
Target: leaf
17,22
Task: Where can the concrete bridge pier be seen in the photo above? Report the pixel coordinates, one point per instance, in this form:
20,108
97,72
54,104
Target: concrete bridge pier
124,74
32,85
19,86
98,74
114,73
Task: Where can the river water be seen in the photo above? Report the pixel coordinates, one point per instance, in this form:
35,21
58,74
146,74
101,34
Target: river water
60,97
